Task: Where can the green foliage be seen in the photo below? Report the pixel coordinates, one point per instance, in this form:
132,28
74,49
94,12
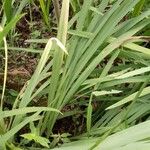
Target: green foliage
10,11
9,26
131,138
81,51
45,11
38,139
138,8
98,57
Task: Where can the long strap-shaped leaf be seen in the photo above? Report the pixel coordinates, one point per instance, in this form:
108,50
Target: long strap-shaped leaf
36,78
84,49
58,55
136,137
101,56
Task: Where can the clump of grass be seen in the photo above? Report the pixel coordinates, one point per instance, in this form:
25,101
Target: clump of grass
104,60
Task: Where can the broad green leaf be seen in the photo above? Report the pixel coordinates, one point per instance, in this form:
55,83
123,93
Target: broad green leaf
38,139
